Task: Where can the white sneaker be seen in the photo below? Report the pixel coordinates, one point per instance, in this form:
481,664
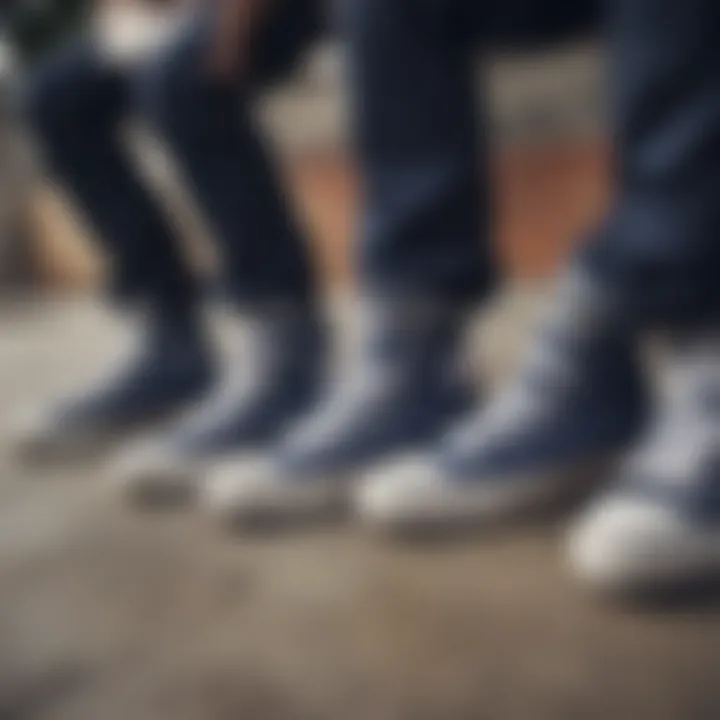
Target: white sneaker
661,525
630,543
403,394
247,410
579,403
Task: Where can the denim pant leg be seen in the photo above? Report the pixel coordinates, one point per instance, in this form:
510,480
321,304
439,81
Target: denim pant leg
426,221
76,104
209,126
660,247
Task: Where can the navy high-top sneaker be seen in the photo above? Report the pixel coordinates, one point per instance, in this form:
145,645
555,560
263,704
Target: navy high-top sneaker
660,525
404,392
170,368
283,360
579,401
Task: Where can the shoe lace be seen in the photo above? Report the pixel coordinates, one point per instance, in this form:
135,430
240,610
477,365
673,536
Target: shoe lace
685,441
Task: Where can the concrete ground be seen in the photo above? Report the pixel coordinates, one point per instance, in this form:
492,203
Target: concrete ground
106,613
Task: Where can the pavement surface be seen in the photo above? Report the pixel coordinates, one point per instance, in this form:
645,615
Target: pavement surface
109,613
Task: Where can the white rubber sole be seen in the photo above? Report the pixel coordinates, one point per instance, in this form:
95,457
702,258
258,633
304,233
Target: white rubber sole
36,444
410,493
624,545
34,439
248,491
147,476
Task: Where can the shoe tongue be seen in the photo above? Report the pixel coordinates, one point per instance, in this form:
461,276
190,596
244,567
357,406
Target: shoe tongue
583,329
586,310
283,317
279,333
700,347
688,434
683,445
395,332
693,371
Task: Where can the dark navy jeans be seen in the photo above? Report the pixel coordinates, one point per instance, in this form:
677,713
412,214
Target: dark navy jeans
422,149
423,146
660,245
422,140
428,209
78,103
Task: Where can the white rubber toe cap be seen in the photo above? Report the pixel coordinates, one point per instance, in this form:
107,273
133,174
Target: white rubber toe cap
35,435
251,488
150,473
413,490
405,492
626,544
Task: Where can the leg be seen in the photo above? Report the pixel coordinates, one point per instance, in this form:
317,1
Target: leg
424,258
77,105
661,524
425,226
208,125
579,401
659,247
